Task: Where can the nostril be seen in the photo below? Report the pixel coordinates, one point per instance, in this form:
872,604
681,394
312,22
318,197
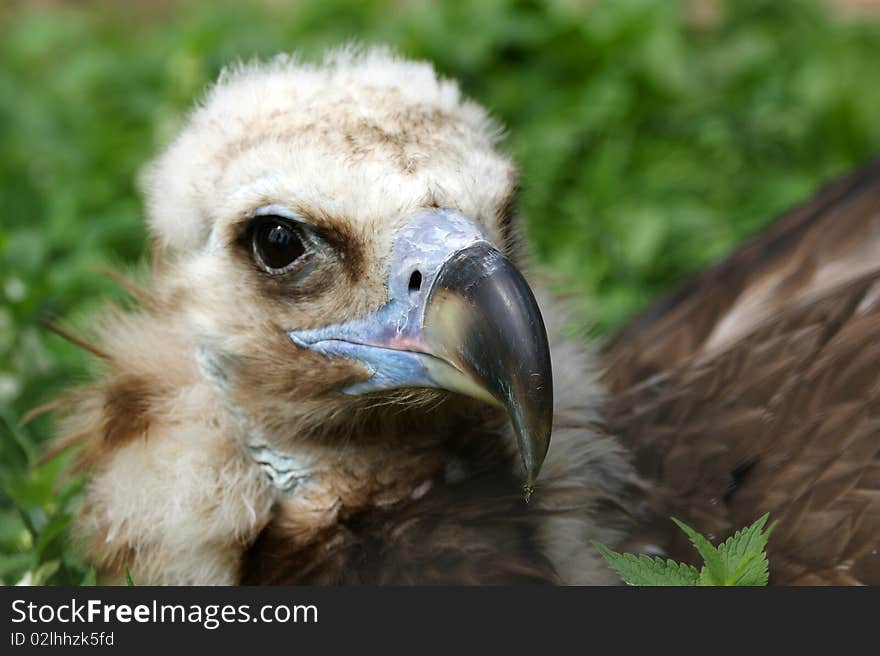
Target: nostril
415,282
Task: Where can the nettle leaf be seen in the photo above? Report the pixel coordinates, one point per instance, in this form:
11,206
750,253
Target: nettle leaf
714,570
743,554
739,560
645,570
755,572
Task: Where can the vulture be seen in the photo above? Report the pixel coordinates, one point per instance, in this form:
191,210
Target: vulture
342,372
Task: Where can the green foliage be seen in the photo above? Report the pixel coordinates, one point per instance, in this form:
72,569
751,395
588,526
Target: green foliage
739,560
645,570
744,561
649,147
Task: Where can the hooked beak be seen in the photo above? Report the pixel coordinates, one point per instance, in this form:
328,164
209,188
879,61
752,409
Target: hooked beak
462,318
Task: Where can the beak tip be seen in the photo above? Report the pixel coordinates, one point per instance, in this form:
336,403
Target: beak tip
533,447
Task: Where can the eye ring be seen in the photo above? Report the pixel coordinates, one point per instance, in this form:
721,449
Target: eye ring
278,244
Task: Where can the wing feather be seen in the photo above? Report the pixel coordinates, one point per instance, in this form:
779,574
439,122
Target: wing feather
757,389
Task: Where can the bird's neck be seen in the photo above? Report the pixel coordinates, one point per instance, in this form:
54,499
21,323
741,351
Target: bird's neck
322,480
318,487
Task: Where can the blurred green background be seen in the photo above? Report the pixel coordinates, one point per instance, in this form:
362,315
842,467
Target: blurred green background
653,137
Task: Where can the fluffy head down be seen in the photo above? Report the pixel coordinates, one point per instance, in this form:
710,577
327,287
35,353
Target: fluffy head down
362,135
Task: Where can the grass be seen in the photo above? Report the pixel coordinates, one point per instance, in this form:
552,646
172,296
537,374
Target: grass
649,146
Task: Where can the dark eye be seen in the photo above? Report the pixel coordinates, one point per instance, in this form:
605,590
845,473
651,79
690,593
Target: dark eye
277,244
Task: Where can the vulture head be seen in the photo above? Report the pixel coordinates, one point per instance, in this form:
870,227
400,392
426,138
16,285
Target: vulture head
343,253
339,371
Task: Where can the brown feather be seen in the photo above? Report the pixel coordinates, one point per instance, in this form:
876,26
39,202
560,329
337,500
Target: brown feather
43,409
73,339
143,296
809,250
59,446
128,402
479,532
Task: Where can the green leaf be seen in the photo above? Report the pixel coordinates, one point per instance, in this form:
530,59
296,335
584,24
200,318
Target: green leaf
128,580
714,571
754,572
645,570
739,560
743,554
